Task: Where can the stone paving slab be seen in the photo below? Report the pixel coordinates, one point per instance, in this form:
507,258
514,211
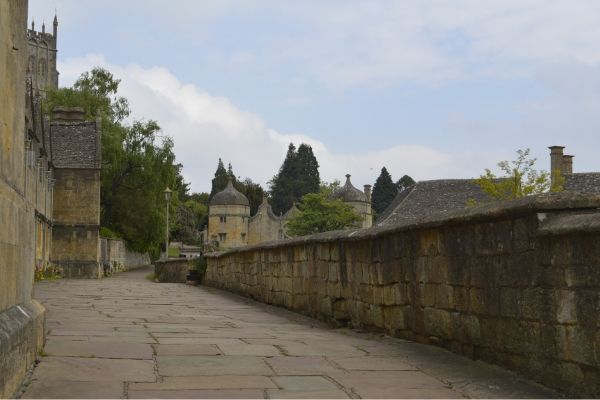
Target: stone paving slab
127,336
302,394
134,351
94,370
187,350
209,365
208,382
64,389
197,394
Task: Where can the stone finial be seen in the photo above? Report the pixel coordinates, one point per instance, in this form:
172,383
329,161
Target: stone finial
55,25
43,27
368,192
32,25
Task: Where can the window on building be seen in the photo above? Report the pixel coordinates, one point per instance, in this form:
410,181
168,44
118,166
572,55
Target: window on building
222,237
223,219
243,236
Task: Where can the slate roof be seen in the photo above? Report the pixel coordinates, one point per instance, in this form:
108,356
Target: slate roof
428,197
75,144
349,193
229,197
586,182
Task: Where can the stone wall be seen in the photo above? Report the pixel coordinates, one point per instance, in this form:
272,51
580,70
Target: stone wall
76,231
516,284
173,270
21,319
115,256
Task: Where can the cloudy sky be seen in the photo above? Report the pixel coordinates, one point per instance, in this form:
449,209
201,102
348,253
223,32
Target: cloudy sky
433,89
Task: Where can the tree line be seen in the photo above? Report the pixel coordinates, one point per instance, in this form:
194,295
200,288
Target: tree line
138,163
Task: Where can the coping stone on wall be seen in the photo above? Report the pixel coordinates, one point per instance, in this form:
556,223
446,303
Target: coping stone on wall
496,210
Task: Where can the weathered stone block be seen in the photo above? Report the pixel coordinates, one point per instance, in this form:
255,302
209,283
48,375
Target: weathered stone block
509,302
393,319
437,323
444,296
426,294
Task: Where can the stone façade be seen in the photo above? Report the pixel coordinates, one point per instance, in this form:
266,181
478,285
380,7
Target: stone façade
21,318
76,156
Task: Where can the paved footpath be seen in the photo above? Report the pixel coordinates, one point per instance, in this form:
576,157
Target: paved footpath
127,337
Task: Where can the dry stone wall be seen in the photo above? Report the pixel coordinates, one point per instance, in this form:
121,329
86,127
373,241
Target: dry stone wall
516,284
116,257
173,270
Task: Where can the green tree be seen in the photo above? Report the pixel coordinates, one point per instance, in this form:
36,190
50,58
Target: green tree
319,213
519,178
137,161
384,191
253,191
297,176
220,180
309,169
404,183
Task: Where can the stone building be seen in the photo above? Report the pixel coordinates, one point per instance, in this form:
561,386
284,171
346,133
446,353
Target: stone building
436,196
21,318
361,201
76,156
562,165
230,224
265,226
38,174
40,74
228,215
41,57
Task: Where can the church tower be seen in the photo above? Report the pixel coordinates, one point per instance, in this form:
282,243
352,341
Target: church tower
41,57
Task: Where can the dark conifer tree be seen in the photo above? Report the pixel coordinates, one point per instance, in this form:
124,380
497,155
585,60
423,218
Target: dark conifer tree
309,170
253,191
284,185
384,191
220,180
404,183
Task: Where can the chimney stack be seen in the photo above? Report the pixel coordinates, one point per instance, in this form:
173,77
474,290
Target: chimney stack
68,114
556,163
567,165
368,192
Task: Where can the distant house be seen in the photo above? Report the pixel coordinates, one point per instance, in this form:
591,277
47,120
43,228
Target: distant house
429,197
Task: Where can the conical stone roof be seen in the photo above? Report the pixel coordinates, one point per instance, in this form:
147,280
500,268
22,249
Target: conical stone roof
229,197
349,193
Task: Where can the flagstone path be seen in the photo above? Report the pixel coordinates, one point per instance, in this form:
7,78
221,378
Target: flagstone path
128,337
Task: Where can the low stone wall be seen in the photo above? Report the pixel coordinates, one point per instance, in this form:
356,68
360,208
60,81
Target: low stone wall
516,284
173,270
116,257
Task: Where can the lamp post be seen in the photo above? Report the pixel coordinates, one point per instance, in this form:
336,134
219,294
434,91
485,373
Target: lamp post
167,193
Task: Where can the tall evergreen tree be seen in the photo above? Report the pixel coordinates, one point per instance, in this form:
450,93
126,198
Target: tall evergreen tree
384,191
220,180
404,183
298,175
284,185
253,191
309,169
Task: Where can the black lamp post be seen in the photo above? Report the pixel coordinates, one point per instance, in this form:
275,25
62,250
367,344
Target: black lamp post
167,193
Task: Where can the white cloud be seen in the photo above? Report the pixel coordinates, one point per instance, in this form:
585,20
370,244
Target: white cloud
205,127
